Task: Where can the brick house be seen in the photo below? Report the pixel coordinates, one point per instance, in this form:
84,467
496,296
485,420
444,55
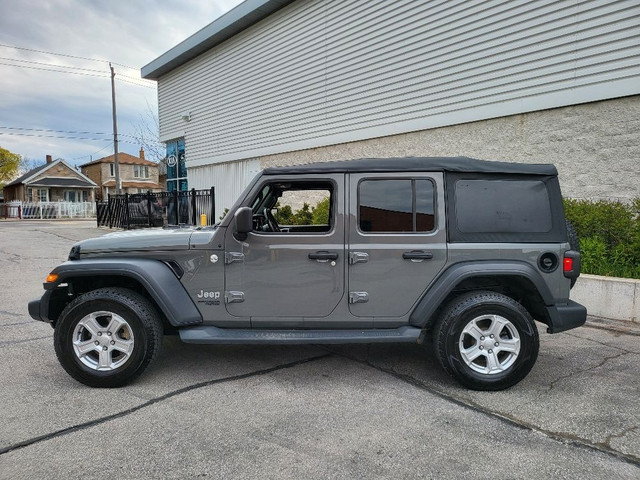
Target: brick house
137,174
54,181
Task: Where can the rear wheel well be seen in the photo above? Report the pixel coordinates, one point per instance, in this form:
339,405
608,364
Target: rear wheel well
519,288
73,287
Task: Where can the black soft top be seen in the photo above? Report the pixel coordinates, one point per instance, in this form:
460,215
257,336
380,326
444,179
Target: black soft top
416,164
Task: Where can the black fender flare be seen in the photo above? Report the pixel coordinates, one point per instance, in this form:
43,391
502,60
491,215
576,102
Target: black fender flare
452,276
155,276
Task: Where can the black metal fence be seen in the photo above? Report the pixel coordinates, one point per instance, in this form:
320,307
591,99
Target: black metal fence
156,209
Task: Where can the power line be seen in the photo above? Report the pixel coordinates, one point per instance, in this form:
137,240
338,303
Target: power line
49,64
65,137
66,55
91,155
80,73
153,87
77,132
54,70
135,78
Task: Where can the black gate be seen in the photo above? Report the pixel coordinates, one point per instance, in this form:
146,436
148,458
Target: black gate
156,209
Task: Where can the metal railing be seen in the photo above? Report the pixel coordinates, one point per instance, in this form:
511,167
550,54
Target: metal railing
156,209
49,210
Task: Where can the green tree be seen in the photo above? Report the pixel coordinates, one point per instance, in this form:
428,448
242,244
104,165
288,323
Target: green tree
320,212
284,215
9,164
303,216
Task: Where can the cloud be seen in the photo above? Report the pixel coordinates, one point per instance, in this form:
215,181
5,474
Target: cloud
131,33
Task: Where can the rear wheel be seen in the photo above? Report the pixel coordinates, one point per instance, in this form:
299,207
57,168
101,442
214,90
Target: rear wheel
486,341
107,337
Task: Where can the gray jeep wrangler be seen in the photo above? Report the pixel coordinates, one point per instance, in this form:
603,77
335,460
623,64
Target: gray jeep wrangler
456,253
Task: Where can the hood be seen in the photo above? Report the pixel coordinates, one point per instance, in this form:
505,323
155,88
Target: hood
138,240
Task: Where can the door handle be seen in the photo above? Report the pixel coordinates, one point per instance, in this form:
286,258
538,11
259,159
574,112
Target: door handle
418,255
323,256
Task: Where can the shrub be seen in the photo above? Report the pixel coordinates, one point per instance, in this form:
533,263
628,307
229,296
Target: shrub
318,215
321,212
609,234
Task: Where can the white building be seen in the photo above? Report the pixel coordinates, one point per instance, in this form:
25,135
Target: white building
276,82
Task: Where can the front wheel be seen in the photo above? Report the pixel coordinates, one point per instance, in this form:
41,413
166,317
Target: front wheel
107,337
486,341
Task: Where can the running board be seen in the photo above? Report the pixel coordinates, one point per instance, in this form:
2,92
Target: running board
215,335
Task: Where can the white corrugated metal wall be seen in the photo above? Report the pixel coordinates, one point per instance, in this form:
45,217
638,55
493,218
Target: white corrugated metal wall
320,72
229,180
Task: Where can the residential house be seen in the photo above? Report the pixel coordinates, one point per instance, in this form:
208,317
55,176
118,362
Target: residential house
137,174
282,82
54,181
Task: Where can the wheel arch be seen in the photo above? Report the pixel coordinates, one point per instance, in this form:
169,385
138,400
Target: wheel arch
151,278
517,280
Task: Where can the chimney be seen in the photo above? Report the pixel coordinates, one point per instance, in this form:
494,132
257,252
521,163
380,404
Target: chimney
48,158
142,153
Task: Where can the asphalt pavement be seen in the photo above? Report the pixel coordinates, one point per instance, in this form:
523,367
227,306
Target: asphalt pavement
380,411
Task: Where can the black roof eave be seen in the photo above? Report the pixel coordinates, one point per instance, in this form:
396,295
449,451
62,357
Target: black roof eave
416,164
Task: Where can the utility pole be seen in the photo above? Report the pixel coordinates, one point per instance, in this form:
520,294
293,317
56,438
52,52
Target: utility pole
115,131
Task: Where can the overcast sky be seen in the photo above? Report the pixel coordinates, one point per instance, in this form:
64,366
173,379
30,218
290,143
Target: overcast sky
132,33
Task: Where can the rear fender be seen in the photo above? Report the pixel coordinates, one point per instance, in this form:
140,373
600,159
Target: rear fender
436,294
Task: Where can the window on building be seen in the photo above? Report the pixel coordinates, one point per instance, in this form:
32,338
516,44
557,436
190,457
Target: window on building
43,195
141,171
390,205
176,166
71,196
85,196
29,194
112,169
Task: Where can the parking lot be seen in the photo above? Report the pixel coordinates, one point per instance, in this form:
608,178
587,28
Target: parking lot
304,411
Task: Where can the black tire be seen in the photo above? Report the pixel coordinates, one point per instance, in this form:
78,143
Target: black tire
459,313
574,243
143,324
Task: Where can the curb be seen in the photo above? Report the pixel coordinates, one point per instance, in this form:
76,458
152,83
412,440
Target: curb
609,297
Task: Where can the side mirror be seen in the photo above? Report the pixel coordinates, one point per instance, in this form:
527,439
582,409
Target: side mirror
244,222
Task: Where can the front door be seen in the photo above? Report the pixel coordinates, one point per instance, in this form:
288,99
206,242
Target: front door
397,242
292,265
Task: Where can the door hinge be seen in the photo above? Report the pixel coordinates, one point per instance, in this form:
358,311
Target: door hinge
230,257
358,257
233,297
358,297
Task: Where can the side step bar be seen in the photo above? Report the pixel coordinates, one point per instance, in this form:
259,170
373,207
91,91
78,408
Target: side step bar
215,335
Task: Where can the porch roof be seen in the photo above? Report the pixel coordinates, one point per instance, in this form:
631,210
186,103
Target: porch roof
61,182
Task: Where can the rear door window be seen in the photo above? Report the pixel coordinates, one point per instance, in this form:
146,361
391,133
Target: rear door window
396,205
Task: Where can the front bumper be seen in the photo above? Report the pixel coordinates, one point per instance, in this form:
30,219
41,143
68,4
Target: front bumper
39,309
566,316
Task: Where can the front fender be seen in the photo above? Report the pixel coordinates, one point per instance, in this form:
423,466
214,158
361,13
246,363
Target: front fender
156,277
458,272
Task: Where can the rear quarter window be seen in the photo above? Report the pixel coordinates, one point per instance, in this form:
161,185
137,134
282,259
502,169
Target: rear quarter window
502,206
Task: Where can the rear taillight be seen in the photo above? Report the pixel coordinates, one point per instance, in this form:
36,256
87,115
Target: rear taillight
567,265
571,264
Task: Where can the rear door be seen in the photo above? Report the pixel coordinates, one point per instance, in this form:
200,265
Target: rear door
397,242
